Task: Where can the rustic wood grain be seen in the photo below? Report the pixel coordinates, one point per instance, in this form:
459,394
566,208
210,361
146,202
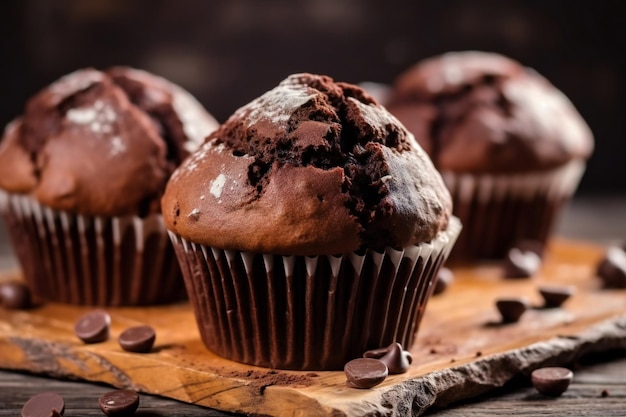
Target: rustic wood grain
461,352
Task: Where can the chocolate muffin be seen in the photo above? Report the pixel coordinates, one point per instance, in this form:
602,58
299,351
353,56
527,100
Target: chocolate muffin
82,172
309,228
510,146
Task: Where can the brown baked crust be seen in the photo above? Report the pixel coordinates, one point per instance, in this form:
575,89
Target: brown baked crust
102,143
481,112
312,167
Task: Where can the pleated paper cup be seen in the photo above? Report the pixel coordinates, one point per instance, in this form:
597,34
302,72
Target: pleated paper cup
100,261
309,313
499,210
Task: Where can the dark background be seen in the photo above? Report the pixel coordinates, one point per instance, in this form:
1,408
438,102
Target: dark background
228,52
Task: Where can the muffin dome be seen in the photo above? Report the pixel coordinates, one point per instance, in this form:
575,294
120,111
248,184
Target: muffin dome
311,167
481,112
102,143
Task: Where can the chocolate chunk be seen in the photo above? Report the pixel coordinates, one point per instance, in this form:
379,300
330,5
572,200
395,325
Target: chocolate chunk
44,404
555,296
605,393
551,381
137,339
511,309
396,359
443,280
365,372
612,269
521,264
15,295
93,327
119,403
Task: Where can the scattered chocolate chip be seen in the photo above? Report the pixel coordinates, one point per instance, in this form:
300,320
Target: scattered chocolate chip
119,403
605,393
554,296
139,339
44,404
551,381
365,372
433,351
93,327
479,354
511,309
445,277
15,295
452,360
612,269
521,264
396,359
534,246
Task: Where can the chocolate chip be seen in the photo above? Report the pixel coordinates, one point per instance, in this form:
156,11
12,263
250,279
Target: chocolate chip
511,309
93,327
119,403
521,264
137,339
551,381
396,359
605,393
15,295
443,280
365,372
44,404
612,269
554,296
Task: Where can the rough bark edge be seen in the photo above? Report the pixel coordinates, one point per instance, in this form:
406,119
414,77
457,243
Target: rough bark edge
442,388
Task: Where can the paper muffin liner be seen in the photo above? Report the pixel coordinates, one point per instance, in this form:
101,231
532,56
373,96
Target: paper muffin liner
75,259
309,313
498,210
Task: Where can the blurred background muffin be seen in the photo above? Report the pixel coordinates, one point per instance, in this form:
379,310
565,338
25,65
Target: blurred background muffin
510,146
309,227
81,176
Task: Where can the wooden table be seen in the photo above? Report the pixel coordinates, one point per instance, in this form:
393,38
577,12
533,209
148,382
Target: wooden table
598,220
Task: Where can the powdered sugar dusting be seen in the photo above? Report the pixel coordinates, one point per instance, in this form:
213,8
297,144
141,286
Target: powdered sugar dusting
277,105
99,117
217,185
196,158
117,146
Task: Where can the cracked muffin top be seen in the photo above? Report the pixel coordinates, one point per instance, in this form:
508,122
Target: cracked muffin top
312,167
481,112
102,143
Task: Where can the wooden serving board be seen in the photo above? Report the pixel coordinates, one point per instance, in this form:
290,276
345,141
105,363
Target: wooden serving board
461,349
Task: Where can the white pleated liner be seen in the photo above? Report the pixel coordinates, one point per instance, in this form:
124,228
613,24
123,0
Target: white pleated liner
294,312
498,210
86,260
